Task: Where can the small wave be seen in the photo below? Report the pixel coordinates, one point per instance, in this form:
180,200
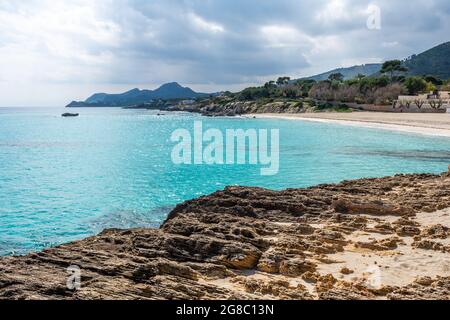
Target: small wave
39,144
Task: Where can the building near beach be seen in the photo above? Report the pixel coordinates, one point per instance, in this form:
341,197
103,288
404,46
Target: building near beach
443,95
434,100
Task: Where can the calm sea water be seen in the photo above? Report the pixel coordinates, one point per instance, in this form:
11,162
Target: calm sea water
63,179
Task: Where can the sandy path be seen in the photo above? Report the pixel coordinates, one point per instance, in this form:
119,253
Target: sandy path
437,124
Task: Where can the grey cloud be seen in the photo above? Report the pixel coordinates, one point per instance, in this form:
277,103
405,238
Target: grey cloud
240,52
222,42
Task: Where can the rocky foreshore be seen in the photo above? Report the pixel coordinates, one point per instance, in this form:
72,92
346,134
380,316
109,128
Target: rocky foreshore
385,238
236,108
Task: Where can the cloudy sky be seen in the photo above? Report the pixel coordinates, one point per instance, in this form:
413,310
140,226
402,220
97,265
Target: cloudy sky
52,52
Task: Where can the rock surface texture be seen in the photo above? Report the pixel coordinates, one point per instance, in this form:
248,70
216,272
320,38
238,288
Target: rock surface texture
235,108
384,238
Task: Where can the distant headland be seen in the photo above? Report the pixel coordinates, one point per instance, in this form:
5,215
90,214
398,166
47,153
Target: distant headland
369,87
134,97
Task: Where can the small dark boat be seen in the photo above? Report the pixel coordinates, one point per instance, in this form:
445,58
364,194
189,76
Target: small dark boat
66,115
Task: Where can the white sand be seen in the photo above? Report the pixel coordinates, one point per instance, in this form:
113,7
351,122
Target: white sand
436,124
398,267
439,217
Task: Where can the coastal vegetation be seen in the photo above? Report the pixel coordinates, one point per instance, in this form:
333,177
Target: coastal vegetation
376,84
350,72
336,92
282,88
362,90
339,90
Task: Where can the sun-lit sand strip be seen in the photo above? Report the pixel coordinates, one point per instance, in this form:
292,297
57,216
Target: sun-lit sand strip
437,124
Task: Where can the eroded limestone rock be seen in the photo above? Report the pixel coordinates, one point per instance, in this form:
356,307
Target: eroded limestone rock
253,243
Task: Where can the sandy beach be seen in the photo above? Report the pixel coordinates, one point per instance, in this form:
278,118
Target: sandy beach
437,124
378,239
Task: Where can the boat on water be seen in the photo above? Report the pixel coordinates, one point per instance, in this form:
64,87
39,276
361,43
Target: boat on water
67,115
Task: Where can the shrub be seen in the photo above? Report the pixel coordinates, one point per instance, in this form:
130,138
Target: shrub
365,90
415,85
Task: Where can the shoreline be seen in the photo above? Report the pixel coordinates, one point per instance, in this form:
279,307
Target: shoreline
411,123
246,243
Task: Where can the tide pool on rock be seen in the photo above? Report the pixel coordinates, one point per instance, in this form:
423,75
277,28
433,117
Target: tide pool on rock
65,180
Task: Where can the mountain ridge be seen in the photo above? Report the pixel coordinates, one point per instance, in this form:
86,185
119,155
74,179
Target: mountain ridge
167,91
349,72
434,62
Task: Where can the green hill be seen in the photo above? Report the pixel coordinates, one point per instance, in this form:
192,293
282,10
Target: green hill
435,62
349,73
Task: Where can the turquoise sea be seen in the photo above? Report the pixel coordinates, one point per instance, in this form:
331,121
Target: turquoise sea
63,179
